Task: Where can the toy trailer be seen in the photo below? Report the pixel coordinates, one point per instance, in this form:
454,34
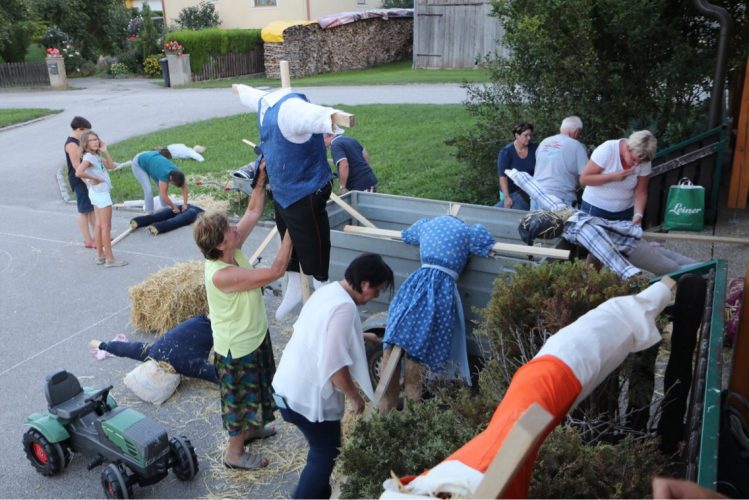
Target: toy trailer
399,212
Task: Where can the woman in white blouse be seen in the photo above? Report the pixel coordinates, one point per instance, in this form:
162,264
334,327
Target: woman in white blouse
616,177
319,365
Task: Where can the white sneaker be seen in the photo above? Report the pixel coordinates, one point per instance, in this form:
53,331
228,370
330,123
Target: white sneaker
292,295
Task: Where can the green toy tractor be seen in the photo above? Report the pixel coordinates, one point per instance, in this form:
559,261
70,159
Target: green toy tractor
133,447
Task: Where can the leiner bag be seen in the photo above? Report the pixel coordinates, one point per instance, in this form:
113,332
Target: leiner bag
685,207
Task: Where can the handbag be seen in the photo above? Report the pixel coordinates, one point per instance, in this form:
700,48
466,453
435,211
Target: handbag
685,207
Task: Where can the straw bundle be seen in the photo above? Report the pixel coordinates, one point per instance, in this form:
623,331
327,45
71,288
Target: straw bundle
168,297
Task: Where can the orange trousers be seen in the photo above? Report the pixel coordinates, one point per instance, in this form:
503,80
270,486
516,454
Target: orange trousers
545,380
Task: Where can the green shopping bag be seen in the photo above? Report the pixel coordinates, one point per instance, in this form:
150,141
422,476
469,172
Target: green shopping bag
685,207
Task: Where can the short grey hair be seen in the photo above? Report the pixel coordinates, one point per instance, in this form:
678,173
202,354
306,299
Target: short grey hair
643,144
571,124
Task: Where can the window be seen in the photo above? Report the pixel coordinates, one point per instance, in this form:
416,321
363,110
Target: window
264,3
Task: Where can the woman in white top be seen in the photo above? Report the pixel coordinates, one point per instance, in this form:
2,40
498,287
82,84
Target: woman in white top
616,177
319,365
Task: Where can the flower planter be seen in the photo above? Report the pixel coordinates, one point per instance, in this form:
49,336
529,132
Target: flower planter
179,69
56,71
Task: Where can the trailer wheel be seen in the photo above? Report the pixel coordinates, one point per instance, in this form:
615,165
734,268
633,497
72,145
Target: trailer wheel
47,458
115,481
183,458
374,357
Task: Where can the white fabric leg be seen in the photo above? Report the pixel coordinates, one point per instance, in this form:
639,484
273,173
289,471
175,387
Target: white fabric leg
318,284
292,295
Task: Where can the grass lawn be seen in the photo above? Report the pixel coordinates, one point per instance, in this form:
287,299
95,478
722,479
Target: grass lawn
398,73
11,116
406,144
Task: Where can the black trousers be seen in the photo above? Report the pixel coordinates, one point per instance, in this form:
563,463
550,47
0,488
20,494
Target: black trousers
165,220
308,225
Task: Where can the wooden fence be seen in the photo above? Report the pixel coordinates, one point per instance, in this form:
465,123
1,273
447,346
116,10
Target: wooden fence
228,65
32,74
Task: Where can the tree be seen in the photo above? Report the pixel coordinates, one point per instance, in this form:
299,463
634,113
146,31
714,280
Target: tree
93,27
16,28
148,35
198,17
620,66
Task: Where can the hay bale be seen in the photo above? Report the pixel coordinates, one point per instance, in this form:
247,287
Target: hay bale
168,297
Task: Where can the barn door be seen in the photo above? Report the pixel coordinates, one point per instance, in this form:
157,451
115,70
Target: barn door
429,30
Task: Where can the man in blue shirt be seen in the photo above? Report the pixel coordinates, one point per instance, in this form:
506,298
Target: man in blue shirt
352,163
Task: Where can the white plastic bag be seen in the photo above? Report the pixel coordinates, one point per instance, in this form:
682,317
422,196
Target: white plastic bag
151,382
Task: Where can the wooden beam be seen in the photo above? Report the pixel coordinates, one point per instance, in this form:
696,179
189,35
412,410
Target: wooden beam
695,237
285,78
738,189
516,447
264,244
351,210
343,119
504,248
122,235
454,209
386,375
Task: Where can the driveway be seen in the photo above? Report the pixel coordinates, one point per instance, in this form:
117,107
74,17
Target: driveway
53,299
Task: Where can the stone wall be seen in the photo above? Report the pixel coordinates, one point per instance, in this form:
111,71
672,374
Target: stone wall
311,50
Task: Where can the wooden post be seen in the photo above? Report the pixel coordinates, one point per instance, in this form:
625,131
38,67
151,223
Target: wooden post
264,244
516,447
122,235
386,375
285,78
738,189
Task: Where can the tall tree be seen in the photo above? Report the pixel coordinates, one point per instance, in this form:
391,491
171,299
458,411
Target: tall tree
16,28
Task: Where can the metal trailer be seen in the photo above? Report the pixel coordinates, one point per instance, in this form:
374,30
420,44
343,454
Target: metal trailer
399,212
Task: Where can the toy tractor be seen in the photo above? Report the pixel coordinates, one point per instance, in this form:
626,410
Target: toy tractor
134,447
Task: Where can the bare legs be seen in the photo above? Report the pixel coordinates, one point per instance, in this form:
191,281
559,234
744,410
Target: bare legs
87,225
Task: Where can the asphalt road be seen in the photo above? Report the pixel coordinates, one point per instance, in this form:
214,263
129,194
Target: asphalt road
53,299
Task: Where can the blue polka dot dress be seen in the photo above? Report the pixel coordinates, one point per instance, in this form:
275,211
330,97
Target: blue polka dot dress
426,316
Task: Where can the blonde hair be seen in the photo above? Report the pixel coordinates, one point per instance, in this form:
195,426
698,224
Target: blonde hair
209,234
643,144
83,146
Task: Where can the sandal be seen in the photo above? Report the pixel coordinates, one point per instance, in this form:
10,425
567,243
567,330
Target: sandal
248,462
263,433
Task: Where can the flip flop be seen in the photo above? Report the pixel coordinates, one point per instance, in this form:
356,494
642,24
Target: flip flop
248,461
263,433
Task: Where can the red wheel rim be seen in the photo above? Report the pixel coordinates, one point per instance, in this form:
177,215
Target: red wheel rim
110,489
39,453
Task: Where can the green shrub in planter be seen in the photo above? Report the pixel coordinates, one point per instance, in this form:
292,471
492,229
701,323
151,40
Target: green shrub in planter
214,41
151,66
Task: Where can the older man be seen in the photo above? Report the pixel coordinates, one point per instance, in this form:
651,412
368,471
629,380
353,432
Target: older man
559,161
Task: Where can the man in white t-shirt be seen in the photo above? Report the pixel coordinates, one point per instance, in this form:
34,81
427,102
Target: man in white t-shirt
559,161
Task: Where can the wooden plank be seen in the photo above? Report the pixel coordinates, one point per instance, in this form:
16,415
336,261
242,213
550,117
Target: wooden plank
510,248
351,210
122,236
516,447
454,209
695,238
264,244
386,375
285,78
738,188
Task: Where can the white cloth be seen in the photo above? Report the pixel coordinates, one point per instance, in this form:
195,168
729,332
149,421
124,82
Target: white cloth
452,477
597,343
184,152
559,161
327,337
618,195
297,119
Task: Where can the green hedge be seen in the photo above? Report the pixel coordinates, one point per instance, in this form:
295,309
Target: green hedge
203,43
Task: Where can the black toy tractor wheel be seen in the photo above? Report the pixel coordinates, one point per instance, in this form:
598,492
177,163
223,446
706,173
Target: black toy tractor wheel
115,481
47,458
183,458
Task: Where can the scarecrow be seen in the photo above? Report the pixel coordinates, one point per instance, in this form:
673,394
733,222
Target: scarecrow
426,316
564,372
291,141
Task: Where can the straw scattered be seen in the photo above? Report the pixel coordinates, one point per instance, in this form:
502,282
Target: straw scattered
168,297
210,203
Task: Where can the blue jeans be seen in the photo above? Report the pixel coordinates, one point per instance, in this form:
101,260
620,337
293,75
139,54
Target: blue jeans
605,214
166,220
324,439
520,201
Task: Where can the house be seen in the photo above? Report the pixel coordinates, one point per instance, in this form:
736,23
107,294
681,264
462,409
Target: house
155,5
258,13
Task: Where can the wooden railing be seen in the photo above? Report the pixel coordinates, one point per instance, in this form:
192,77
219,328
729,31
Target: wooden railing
32,74
228,65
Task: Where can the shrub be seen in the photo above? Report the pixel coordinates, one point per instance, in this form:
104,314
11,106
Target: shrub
118,69
151,66
148,36
204,43
198,17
